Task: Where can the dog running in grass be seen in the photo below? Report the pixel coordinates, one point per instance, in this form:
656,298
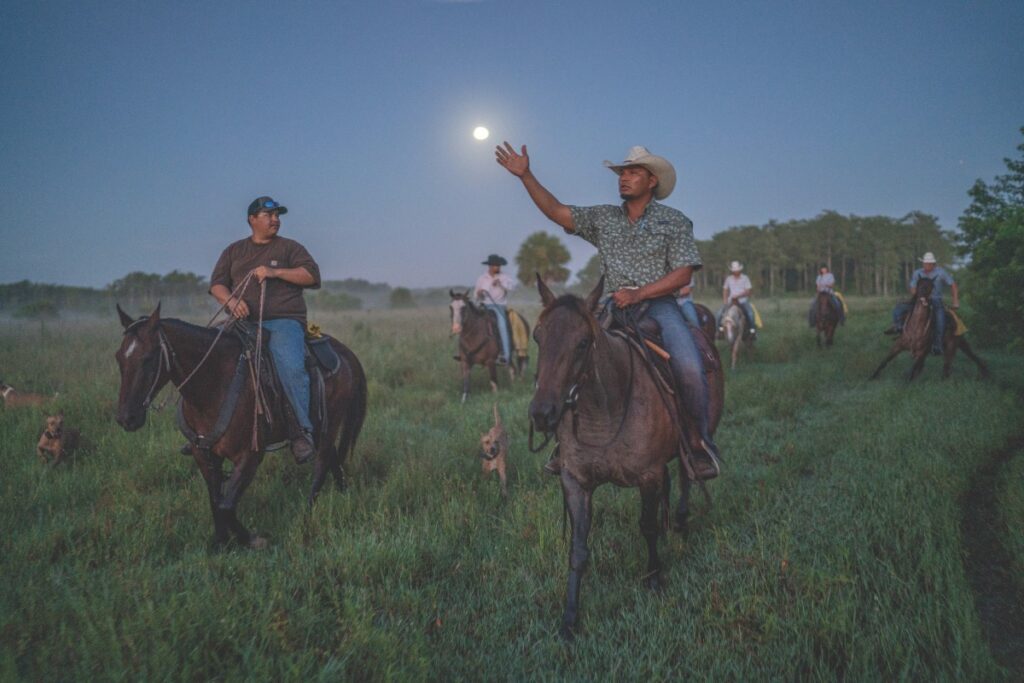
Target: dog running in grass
16,399
494,449
56,441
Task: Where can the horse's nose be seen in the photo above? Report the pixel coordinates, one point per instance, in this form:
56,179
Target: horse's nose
456,328
543,414
130,422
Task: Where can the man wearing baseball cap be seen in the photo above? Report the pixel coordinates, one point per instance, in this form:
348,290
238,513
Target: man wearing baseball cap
939,277
647,254
287,269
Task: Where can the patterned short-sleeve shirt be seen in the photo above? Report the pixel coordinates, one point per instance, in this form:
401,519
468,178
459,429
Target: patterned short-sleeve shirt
637,254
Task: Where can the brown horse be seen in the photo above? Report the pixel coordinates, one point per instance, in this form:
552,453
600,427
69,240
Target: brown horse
826,318
205,370
479,343
918,333
707,321
612,421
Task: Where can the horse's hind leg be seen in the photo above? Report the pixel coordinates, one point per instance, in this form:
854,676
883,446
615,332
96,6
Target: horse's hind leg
322,464
918,365
650,502
578,503
962,344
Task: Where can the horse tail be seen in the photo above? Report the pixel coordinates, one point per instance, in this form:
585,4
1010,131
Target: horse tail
352,424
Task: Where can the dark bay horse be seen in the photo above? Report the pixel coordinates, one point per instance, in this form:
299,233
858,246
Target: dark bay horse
155,351
918,333
479,343
612,422
826,318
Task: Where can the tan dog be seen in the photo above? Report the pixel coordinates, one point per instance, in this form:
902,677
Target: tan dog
494,449
56,441
16,399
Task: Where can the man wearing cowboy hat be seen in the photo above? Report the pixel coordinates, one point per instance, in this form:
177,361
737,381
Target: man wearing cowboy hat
647,254
287,269
737,289
939,277
492,288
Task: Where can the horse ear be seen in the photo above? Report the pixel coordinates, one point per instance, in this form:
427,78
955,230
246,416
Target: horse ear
468,289
451,292
126,319
546,295
595,295
154,317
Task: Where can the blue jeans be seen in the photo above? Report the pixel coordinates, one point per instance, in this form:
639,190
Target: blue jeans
689,311
288,347
502,313
686,361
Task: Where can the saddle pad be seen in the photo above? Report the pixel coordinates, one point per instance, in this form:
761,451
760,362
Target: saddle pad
520,333
842,300
757,316
961,329
320,348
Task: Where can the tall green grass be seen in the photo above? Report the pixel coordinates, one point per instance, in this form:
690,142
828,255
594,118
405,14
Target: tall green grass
832,548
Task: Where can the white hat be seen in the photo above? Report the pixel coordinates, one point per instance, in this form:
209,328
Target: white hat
659,166
928,257
735,265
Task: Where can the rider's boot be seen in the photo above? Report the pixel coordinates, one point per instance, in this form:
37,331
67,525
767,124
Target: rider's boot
302,448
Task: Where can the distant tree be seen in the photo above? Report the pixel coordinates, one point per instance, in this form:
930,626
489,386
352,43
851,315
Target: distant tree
588,276
401,297
992,236
542,253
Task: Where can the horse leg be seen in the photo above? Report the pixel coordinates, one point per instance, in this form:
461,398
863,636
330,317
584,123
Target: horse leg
327,455
492,370
962,344
650,503
213,473
918,365
682,523
465,378
830,333
817,335
578,503
892,354
736,349
236,485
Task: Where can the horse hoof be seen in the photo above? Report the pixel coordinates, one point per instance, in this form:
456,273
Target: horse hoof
567,633
653,583
681,524
257,543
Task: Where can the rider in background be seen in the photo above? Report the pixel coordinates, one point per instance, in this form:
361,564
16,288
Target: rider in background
737,289
825,282
939,276
287,269
492,289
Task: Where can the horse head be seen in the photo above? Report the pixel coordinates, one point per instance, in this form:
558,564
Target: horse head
459,301
925,286
566,333
142,359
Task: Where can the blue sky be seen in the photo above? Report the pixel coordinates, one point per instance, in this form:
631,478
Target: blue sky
134,134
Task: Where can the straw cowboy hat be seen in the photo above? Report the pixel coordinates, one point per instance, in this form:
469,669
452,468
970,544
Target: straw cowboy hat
495,260
928,257
659,166
735,265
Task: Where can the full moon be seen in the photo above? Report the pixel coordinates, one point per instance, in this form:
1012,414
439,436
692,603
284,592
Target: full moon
481,133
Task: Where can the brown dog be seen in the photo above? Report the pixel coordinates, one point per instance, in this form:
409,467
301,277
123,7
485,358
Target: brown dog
494,449
16,399
56,441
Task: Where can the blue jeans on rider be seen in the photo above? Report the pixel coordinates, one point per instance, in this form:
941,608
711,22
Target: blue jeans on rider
502,313
288,347
686,361
689,312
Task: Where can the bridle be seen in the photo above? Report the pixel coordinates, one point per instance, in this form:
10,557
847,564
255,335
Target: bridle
166,355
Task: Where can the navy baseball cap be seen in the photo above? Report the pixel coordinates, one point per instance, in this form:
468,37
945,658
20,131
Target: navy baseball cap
265,204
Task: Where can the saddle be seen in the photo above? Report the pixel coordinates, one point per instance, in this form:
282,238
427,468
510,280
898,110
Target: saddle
645,335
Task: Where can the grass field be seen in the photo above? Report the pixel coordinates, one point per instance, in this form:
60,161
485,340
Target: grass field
833,549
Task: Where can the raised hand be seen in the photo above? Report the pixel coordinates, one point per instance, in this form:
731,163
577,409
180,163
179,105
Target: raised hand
515,163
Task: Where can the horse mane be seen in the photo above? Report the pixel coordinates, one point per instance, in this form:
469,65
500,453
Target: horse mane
577,305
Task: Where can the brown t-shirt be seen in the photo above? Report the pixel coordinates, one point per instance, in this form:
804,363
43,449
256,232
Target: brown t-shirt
283,299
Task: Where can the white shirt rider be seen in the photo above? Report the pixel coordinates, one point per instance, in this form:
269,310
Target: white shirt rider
495,288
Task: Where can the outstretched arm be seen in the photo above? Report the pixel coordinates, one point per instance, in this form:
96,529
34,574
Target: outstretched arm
518,164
